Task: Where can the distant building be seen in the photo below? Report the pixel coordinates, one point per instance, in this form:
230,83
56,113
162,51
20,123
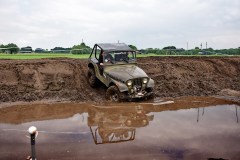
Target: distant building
60,50
27,49
39,50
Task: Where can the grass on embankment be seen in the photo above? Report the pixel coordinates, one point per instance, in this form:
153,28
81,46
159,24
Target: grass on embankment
80,56
41,55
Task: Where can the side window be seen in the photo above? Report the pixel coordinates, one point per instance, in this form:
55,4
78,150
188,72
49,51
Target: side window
98,51
132,56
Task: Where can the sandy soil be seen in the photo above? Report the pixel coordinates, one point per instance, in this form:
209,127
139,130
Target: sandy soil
65,79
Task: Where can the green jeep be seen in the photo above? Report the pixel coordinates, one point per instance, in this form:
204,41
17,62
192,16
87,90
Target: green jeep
114,64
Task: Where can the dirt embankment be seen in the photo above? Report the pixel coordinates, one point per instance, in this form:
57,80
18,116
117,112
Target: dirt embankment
65,79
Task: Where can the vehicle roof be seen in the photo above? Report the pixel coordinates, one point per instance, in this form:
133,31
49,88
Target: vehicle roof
107,47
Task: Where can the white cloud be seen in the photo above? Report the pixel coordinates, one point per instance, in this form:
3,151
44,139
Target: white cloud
145,23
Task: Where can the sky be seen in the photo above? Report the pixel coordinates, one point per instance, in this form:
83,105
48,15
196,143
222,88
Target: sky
143,23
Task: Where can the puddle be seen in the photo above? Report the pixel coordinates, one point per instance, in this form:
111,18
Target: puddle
182,129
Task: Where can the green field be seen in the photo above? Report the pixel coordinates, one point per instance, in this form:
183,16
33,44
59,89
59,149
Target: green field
81,56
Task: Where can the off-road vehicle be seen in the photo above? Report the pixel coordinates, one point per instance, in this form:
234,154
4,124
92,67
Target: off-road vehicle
114,65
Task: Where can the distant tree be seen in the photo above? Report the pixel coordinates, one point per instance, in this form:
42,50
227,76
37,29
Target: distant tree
81,49
197,48
13,48
149,50
11,45
209,50
170,47
1,46
80,46
132,47
10,48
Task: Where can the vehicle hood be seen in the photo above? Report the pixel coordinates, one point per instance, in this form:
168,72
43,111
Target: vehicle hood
124,72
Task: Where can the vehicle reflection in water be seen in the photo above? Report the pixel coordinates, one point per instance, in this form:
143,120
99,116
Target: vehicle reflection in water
236,113
111,125
198,113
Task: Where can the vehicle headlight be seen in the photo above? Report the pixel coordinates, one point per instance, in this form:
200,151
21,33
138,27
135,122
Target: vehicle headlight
144,80
129,83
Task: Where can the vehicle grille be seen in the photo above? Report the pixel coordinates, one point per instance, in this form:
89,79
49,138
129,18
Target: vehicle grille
137,82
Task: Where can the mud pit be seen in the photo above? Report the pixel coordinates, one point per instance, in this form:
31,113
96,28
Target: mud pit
65,79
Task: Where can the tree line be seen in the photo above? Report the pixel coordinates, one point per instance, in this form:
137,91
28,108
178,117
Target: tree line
82,48
171,50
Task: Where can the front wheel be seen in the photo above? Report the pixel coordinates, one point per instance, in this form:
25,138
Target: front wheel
113,94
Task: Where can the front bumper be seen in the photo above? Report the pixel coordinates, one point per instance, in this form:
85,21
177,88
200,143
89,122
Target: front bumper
140,94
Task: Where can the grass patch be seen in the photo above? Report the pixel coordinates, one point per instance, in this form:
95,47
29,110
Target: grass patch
41,55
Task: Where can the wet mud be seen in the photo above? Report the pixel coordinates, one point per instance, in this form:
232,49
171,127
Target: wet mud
172,128
65,79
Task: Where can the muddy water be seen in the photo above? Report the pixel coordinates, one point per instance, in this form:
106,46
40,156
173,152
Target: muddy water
189,128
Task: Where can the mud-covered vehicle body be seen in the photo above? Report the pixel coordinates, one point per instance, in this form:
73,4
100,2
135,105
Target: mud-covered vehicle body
114,64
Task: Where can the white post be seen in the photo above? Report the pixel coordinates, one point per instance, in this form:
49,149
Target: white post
32,131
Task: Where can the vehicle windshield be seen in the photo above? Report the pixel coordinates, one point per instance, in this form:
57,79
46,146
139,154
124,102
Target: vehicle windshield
119,57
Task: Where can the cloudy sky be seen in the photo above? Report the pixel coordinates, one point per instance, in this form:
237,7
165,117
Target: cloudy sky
144,23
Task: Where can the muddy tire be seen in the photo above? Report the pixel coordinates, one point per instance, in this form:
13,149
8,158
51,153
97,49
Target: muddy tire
92,79
113,94
151,96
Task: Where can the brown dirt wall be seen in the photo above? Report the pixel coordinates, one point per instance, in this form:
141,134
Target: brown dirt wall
66,79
